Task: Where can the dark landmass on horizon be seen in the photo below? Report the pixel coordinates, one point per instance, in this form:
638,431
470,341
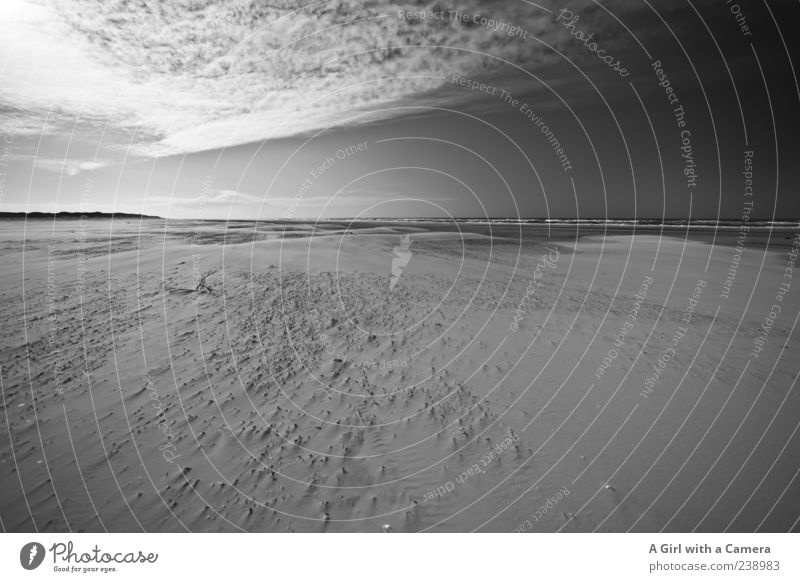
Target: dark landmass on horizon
73,215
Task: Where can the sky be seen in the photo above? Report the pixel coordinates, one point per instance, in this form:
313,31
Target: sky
362,109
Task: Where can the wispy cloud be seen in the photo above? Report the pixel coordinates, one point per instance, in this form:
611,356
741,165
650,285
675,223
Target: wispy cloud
69,167
235,203
213,198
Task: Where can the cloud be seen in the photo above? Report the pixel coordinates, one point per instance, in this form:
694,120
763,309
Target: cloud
242,202
198,75
69,167
213,198
231,196
194,75
14,123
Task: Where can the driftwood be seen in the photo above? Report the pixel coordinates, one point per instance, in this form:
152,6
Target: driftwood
202,285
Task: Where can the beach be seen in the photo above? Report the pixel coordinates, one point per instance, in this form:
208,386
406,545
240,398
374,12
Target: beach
429,376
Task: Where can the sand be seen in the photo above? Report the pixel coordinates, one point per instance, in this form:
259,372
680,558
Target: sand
302,391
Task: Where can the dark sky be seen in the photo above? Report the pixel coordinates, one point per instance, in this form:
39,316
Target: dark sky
150,139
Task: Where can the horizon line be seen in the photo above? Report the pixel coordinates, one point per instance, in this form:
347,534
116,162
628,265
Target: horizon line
134,215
